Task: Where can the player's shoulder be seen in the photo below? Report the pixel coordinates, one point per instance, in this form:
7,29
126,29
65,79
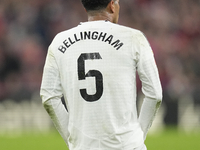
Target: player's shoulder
117,28
126,28
135,34
99,24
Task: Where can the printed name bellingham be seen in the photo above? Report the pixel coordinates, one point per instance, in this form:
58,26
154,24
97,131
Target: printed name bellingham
89,35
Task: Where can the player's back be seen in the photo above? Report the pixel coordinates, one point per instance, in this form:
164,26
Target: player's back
97,65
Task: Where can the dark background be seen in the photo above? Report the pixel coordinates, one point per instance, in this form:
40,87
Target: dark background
172,27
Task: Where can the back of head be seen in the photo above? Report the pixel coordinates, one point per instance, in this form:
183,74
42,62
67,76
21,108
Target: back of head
91,5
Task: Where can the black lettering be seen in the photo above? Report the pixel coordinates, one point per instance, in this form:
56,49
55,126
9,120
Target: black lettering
72,42
109,39
76,38
87,35
95,35
62,49
81,35
102,35
117,44
66,43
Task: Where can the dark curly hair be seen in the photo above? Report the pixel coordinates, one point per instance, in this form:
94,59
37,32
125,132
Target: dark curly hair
91,5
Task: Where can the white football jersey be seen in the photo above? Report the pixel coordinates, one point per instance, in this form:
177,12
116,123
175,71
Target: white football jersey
94,66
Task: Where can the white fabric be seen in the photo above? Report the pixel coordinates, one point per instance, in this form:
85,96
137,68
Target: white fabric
59,116
94,66
142,147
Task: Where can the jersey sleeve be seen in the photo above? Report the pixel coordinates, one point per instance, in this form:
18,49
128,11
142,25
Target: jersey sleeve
51,93
151,86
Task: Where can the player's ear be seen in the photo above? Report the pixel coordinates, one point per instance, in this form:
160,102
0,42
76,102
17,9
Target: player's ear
111,6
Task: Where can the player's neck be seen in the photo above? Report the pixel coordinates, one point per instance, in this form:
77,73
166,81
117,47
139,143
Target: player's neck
100,16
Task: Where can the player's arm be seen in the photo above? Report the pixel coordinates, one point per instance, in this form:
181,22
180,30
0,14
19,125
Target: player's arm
151,86
51,94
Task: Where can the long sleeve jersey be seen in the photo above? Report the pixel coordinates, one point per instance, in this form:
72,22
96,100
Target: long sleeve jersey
94,67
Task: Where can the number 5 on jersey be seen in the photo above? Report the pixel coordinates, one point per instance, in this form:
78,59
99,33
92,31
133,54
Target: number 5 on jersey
91,73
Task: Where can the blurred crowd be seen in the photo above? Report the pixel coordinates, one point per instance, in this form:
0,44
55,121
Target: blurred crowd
172,27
